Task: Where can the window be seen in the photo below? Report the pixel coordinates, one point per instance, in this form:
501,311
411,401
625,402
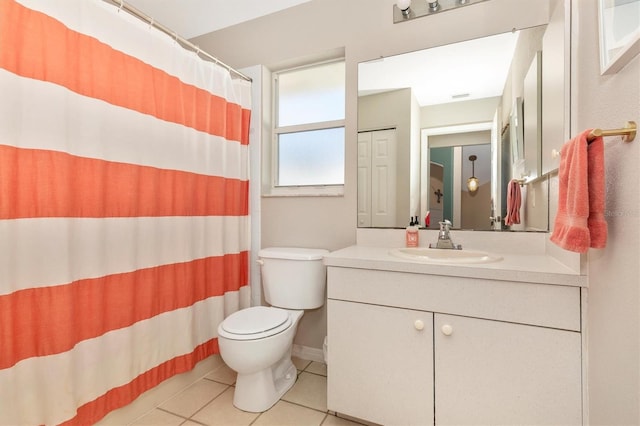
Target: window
308,148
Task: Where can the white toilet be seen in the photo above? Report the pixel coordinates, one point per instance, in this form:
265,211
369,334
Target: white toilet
256,342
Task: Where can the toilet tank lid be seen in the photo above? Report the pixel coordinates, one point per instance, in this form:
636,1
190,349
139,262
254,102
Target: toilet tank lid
292,253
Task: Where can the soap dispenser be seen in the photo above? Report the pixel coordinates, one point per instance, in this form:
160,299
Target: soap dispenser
412,235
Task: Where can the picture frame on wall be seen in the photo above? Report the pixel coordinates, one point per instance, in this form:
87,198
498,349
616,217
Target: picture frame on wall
619,29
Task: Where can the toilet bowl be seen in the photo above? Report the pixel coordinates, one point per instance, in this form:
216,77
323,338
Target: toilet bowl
256,342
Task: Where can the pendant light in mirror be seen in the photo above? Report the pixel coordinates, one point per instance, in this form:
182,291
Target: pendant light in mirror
472,182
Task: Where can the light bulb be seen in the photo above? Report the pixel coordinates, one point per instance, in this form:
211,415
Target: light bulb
472,184
403,5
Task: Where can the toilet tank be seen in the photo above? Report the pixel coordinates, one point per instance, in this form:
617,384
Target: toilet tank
293,277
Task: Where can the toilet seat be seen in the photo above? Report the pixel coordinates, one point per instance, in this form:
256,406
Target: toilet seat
254,323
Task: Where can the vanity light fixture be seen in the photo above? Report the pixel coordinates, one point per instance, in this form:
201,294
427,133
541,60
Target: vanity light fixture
472,182
406,10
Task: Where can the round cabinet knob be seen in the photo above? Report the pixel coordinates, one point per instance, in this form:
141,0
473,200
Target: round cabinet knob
447,330
419,325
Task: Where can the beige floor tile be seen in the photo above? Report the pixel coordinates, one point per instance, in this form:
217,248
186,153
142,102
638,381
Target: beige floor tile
193,398
158,417
309,390
317,368
221,412
300,363
337,421
217,360
287,414
223,374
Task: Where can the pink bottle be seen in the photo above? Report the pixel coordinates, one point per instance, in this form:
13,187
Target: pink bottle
412,235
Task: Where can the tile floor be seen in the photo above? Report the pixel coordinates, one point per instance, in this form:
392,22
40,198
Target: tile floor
209,402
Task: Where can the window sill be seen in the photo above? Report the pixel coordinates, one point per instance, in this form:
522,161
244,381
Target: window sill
305,191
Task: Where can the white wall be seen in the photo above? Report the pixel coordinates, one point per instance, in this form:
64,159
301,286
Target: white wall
363,30
614,272
454,113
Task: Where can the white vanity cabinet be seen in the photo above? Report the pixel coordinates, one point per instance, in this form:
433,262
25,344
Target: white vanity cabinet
406,348
381,363
493,372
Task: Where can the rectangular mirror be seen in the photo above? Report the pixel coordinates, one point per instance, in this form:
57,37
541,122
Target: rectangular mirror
421,117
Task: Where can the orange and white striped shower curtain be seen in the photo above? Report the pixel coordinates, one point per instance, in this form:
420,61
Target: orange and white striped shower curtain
124,222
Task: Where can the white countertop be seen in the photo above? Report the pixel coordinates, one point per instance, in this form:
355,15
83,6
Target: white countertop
532,268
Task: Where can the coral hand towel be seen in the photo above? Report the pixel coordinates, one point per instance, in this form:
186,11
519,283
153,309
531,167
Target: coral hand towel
580,223
596,223
514,199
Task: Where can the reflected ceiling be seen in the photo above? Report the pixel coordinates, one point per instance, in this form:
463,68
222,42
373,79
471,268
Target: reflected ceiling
442,74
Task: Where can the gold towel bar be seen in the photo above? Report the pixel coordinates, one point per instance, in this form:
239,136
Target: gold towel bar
628,133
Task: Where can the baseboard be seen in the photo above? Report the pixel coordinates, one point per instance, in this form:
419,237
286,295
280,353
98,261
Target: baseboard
157,395
310,354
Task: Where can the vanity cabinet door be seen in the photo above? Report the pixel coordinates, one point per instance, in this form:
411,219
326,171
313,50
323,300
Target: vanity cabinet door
380,363
491,372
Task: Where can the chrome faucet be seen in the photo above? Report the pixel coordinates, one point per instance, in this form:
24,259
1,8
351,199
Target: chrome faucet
444,238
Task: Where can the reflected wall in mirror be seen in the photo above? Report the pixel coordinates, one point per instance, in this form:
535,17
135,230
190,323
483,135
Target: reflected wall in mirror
421,115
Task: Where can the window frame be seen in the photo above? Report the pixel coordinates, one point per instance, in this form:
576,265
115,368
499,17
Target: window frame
276,131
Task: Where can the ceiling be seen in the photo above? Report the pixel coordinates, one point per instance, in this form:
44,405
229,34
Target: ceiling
192,18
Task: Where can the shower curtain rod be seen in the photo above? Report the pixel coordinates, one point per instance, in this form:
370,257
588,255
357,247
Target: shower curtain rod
183,41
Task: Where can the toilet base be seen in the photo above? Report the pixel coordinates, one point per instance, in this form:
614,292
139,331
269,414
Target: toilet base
257,392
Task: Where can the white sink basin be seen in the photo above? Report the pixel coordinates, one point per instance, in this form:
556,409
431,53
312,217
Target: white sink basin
429,255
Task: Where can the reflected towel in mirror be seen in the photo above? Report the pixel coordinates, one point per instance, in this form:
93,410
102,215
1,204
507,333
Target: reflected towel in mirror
514,199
